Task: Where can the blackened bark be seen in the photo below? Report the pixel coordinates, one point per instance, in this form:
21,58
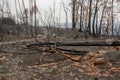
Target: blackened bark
112,19
95,13
89,22
100,27
73,14
81,13
108,42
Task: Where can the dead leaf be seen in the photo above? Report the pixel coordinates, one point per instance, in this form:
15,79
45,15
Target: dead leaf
94,73
3,58
106,74
71,74
85,57
80,70
77,58
76,78
77,63
98,61
91,54
102,52
115,69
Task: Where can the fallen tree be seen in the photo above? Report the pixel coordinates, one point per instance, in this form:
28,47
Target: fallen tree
90,43
80,43
56,45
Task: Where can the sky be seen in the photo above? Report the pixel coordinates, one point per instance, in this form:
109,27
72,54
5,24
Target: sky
43,5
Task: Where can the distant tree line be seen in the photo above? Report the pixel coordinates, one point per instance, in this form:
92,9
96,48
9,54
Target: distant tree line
94,16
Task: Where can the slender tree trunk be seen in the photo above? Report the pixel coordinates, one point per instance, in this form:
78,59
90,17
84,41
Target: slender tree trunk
97,23
66,13
20,10
100,27
66,20
107,29
26,19
112,19
89,22
25,12
81,13
18,31
118,30
1,31
31,16
3,9
35,18
73,14
93,25
60,18
9,10
54,13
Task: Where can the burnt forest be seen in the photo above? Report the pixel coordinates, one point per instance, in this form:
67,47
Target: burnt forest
59,39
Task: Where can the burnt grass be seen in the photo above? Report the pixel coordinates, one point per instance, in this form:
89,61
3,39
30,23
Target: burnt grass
40,63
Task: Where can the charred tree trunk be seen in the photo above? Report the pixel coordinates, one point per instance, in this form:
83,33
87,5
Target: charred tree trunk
31,17
1,31
89,22
97,24
108,42
100,27
95,13
18,31
73,14
112,19
81,13
66,13
35,18
25,11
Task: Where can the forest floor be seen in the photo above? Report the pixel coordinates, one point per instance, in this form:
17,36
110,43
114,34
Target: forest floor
18,62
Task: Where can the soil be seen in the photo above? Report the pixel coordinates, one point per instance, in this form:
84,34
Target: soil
18,62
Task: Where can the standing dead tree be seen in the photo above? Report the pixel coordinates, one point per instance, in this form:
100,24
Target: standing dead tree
60,15
66,12
104,4
94,17
73,14
90,15
112,17
9,14
54,13
81,14
25,12
33,18
2,16
18,31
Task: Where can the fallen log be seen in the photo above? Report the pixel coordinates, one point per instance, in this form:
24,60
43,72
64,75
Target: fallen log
73,52
80,43
89,43
42,44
